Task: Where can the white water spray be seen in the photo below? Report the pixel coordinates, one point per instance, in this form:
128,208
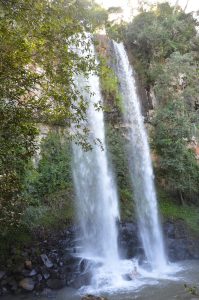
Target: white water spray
140,166
97,204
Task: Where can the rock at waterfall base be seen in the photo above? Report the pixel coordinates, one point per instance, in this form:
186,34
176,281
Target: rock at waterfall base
27,284
92,297
55,284
47,262
2,274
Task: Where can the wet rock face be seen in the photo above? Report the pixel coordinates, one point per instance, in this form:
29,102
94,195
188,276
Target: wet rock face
129,242
179,243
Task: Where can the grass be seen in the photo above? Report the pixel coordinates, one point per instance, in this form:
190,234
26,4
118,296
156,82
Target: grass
170,210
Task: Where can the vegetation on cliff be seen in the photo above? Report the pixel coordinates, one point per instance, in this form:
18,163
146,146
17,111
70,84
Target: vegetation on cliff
164,44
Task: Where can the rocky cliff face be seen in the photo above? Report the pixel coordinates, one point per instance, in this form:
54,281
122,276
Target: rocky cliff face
179,242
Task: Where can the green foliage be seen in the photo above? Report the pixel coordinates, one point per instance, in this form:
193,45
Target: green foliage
109,85
17,236
155,34
37,67
193,290
116,31
164,44
17,145
54,169
170,209
178,79
48,188
54,213
119,157
177,163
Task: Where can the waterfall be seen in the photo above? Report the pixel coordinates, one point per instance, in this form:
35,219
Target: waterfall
97,204
140,165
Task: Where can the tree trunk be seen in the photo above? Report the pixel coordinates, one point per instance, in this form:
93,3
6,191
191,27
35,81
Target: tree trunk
182,199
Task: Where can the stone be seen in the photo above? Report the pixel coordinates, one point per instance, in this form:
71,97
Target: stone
127,277
39,277
12,284
33,273
28,264
19,268
2,274
4,281
56,284
46,275
92,297
27,284
4,290
69,259
25,272
82,279
47,262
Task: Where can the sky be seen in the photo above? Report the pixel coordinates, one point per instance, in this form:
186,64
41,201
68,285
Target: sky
127,5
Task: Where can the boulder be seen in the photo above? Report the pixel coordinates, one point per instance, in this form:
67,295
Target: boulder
46,275
27,284
2,274
92,297
33,273
47,262
12,284
28,264
39,277
81,280
56,284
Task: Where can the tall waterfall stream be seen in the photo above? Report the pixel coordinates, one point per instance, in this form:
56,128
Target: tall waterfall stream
97,203
140,166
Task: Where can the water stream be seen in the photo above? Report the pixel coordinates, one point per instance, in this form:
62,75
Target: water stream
140,166
97,203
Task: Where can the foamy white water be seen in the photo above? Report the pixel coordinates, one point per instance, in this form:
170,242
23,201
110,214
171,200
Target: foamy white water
97,203
141,167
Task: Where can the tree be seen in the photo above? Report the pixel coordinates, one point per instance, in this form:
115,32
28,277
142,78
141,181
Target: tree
155,34
37,68
177,163
177,79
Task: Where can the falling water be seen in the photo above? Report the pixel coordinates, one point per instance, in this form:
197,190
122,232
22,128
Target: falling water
140,166
97,204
